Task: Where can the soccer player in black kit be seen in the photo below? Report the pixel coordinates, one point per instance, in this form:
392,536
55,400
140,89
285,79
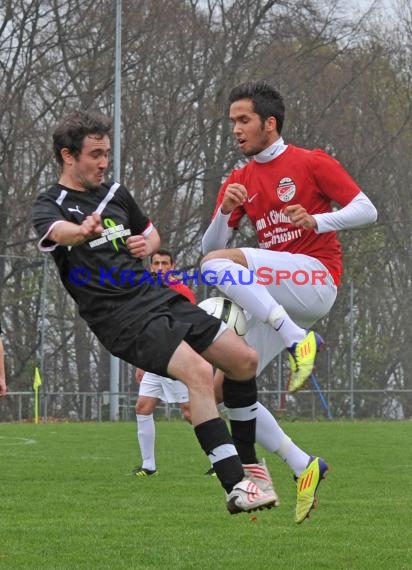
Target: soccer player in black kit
98,236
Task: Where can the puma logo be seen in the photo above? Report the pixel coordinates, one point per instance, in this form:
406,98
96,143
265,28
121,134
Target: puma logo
76,209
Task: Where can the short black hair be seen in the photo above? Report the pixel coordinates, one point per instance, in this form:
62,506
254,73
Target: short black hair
267,101
162,251
74,128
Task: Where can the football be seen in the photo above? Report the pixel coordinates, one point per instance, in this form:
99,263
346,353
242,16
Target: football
227,311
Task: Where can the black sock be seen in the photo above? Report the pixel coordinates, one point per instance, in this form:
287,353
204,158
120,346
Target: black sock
242,394
215,440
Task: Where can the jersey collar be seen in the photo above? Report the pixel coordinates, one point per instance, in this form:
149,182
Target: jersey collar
271,152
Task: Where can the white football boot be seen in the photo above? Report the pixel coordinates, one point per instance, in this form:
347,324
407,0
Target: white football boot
246,497
259,474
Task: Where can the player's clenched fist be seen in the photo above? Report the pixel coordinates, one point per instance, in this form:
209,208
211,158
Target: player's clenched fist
91,226
138,246
299,217
235,195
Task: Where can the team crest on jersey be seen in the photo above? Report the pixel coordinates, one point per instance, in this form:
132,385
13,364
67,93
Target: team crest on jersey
286,190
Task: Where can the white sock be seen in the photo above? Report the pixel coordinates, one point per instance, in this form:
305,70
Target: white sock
146,438
287,329
253,297
270,436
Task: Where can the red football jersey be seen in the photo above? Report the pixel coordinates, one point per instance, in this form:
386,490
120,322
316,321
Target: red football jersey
183,290
311,178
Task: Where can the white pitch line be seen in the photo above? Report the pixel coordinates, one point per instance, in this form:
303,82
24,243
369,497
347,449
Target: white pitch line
17,440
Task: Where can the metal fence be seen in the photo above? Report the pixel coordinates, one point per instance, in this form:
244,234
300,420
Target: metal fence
306,404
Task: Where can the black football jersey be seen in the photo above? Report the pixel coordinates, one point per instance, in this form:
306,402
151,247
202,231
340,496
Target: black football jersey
100,274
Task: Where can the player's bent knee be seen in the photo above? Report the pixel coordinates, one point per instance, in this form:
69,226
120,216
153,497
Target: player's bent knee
144,410
234,255
246,365
145,407
219,253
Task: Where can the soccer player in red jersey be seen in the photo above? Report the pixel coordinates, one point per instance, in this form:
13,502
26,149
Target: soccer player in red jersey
292,277
287,194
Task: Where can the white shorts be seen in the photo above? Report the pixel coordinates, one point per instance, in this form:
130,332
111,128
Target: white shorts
162,388
305,303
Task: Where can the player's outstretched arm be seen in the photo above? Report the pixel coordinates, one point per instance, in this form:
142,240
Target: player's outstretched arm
359,212
67,233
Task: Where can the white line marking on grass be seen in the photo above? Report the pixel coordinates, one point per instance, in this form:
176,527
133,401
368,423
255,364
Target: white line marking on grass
16,440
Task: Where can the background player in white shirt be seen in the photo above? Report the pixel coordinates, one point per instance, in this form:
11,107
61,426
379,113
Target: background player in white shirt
153,388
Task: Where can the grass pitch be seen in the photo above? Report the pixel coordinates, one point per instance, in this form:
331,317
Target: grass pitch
69,502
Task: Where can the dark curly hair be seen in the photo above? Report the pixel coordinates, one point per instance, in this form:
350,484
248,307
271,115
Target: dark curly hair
74,128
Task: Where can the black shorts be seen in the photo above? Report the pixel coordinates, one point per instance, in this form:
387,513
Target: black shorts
149,340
